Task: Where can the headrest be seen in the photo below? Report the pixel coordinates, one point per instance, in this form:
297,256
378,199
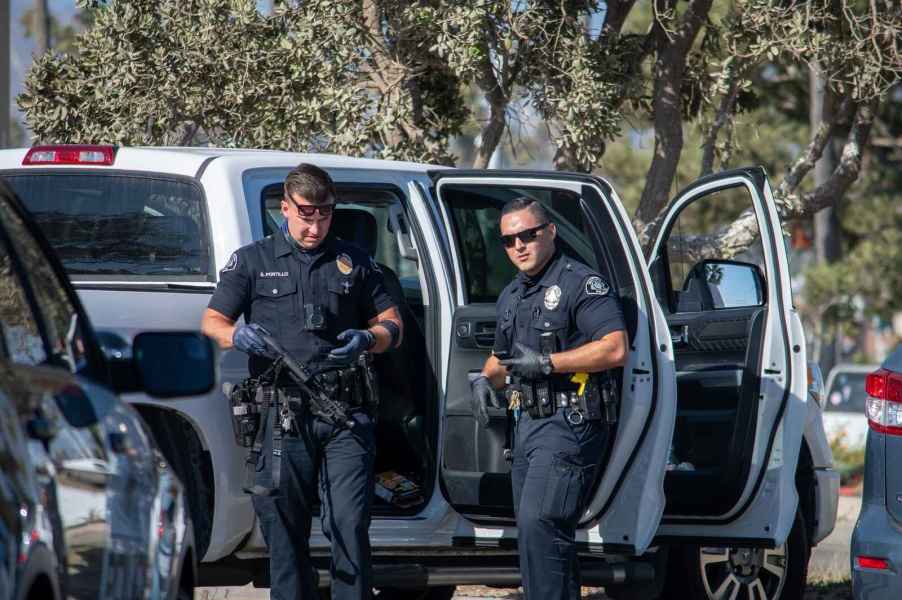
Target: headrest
358,227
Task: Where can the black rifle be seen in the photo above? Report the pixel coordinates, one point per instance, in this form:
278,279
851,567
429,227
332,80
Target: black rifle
325,406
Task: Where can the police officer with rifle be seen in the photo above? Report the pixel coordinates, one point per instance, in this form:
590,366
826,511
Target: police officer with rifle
559,331
314,310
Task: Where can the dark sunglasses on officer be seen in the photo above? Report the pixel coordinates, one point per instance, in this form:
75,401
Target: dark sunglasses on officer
307,211
525,236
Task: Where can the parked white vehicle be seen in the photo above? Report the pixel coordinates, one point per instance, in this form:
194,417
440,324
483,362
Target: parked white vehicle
845,421
716,370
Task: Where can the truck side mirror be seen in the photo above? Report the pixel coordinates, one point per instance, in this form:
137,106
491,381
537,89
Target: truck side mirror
726,284
174,363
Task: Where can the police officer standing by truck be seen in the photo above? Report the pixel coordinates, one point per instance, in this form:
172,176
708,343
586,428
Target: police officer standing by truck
323,300
559,328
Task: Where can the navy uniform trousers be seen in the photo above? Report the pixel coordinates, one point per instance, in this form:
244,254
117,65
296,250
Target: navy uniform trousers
554,466
340,460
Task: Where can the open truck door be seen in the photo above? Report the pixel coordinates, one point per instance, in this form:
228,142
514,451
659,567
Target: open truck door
721,275
628,498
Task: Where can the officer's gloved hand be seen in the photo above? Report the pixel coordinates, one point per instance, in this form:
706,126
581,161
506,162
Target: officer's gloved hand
357,341
482,395
247,339
530,364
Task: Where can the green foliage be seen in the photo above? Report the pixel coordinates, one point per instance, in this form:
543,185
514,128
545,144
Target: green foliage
157,72
849,462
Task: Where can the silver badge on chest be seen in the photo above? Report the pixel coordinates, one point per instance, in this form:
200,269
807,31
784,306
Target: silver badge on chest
552,297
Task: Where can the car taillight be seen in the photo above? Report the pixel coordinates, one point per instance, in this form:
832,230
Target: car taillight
71,154
872,562
884,403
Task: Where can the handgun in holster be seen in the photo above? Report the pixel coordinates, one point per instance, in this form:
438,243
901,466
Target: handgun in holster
610,395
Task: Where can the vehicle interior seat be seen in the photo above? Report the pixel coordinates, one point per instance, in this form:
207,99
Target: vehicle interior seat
402,384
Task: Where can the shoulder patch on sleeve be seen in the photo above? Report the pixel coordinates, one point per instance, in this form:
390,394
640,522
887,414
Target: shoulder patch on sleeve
232,264
596,286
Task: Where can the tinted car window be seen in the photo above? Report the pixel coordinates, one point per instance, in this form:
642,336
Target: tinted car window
61,323
21,340
846,393
120,227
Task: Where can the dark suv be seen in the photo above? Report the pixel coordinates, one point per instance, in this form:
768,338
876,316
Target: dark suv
877,539
89,507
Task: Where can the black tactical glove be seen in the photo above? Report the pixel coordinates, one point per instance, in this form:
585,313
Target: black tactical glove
482,395
357,341
247,339
530,364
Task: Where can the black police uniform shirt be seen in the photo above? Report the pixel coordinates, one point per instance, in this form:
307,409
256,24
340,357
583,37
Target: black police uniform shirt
270,281
567,300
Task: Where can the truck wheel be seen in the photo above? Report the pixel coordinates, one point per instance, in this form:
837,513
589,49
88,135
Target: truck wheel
711,573
433,593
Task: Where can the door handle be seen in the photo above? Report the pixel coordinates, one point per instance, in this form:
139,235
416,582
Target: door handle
475,334
679,335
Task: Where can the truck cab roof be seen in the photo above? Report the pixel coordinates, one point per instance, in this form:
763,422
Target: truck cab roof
191,162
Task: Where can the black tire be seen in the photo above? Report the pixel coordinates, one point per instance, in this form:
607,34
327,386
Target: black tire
726,568
650,590
433,593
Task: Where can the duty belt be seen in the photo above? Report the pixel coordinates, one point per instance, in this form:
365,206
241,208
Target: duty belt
542,398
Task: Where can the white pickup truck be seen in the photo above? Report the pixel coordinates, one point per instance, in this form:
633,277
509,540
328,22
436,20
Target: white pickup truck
715,382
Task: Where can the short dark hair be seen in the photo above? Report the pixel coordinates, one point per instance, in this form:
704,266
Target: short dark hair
310,183
523,203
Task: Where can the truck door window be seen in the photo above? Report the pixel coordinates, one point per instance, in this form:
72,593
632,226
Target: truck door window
475,213
698,235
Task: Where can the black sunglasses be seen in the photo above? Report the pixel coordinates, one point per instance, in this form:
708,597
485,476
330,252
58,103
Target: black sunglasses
307,211
525,236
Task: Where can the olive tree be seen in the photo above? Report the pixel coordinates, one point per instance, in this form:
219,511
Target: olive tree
387,78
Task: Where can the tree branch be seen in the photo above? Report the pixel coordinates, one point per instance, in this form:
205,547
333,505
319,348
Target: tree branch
724,112
843,176
819,141
497,88
734,238
615,17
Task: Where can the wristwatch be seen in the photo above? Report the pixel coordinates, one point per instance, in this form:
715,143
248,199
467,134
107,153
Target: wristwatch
547,367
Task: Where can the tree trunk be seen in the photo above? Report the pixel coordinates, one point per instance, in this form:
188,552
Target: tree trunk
672,49
827,247
490,136
5,74
41,25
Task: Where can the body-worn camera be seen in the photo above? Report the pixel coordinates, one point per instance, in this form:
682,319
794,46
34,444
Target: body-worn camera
314,317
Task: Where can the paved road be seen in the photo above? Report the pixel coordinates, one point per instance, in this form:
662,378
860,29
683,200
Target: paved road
829,561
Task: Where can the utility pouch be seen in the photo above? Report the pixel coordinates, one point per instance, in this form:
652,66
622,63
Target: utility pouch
528,400
370,382
610,396
544,401
591,401
351,382
245,410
